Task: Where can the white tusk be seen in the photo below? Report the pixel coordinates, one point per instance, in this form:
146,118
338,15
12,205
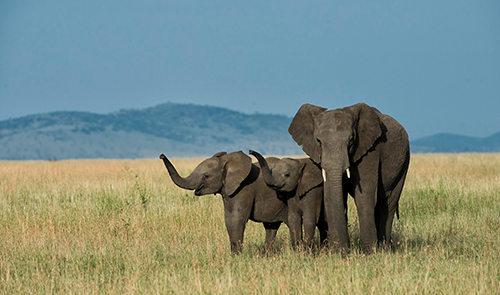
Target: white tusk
348,173
324,174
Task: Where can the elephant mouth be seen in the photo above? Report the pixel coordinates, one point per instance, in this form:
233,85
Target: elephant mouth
281,188
202,191
275,187
199,191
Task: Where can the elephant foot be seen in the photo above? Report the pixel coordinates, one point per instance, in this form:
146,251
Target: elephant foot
385,246
336,247
236,248
269,247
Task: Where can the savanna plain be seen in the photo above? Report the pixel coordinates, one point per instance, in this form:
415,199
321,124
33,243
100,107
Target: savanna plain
123,227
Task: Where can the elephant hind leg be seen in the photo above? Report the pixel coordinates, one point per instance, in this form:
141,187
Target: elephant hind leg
388,208
381,218
323,233
271,231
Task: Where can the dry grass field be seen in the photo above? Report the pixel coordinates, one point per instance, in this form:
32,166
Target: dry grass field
122,227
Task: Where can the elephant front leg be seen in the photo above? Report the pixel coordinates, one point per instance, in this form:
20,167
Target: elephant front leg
295,225
271,231
310,221
384,214
366,197
365,204
235,225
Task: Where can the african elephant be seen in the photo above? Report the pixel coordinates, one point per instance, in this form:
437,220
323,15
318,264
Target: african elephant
299,183
244,193
370,149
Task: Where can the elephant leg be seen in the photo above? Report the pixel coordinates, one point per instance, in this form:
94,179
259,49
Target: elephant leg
366,196
392,207
381,218
295,225
365,203
384,216
310,220
235,225
323,225
309,230
323,233
271,231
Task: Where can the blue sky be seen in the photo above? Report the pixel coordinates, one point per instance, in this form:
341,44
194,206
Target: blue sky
433,65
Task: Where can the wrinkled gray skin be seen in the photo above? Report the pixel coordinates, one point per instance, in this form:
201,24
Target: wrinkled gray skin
374,148
300,184
244,193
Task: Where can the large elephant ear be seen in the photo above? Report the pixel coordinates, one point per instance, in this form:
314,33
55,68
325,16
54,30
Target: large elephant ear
237,167
302,130
311,177
368,129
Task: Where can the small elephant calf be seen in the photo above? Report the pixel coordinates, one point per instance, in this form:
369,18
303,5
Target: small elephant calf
244,192
299,182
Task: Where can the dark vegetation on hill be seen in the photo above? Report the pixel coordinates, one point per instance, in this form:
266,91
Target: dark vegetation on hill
178,130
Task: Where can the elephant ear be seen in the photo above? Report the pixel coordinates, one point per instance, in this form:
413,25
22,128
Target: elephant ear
219,154
368,129
302,130
311,177
237,167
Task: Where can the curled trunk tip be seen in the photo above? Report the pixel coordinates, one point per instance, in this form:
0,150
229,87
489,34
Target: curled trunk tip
181,182
264,169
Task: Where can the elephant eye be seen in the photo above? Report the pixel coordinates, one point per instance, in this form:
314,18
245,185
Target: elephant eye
287,174
205,176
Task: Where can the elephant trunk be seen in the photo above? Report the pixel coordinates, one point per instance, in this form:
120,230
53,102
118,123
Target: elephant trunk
334,167
264,168
335,208
184,183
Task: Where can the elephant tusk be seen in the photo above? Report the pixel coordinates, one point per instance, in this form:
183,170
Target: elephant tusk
348,173
323,172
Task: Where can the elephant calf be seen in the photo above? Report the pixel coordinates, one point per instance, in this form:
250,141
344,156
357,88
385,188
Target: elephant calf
244,193
300,184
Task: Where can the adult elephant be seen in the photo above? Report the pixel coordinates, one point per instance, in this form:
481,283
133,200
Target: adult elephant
299,183
244,193
370,149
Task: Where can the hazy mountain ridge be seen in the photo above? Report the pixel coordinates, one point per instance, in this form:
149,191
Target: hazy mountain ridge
453,143
178,130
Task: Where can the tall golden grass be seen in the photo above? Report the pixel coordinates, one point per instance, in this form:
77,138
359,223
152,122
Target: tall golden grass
122,227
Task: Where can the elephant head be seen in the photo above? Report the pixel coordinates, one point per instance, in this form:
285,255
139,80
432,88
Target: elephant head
337,140
288,175
222,173
338,137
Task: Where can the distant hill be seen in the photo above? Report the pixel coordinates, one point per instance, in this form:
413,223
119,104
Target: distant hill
178,130
452,143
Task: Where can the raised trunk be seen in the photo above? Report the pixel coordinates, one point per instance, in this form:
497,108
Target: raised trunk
264,169
184,183
334,207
